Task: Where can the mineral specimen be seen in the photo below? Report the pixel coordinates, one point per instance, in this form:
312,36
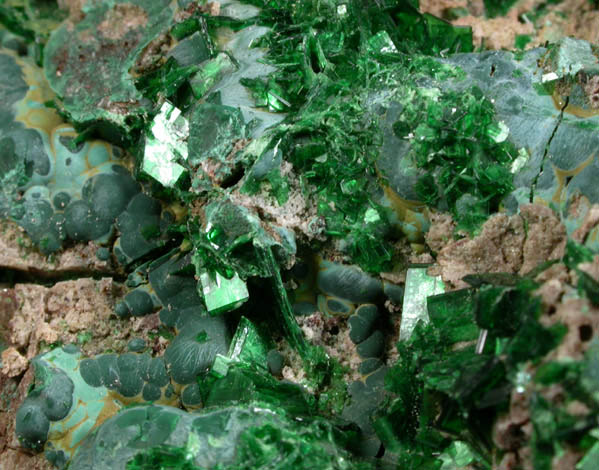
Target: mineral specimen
261,197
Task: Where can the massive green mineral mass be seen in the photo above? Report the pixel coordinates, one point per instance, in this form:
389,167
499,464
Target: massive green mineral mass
259,177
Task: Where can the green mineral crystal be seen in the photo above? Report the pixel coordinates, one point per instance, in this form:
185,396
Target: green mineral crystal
419,287
222,294
166,145
211,72
286,155
247,346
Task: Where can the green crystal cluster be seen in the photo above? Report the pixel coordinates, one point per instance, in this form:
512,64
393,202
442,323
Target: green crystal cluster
262,167
450,391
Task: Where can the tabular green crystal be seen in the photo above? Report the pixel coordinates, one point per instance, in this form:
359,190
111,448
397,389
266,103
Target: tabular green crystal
215,129
166,145
247,346
222,294
589,461
419,286
284,308
192,50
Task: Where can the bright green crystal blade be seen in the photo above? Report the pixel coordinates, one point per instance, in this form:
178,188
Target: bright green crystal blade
247,347
419,286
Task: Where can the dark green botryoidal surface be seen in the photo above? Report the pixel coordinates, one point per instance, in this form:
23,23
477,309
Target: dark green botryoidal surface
276,154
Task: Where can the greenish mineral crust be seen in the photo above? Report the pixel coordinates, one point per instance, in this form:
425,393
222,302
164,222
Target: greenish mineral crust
231,437
264,221
105,50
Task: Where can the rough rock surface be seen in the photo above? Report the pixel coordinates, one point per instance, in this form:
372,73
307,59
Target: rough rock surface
512,244
577,18
513,430
333,335
18,253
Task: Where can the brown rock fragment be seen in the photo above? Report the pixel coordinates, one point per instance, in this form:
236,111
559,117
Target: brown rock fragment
497,249
61,312
582,321
512,244
441,231
545,239
13,362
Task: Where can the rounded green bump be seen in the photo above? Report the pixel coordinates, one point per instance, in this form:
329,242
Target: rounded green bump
275,362
57,458
157,372
361,323
187,357
393,292
348,282
373,346
191,397
131,381
122,310
36,219
80,221
32,426
370,365
338,307
139,303
61,200
144,361
57,395
109,371
136,345
301,309
139,226
151,392
103,253
109,194
49,243
143,204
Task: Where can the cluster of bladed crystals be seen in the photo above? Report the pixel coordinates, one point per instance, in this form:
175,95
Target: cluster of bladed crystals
264,134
